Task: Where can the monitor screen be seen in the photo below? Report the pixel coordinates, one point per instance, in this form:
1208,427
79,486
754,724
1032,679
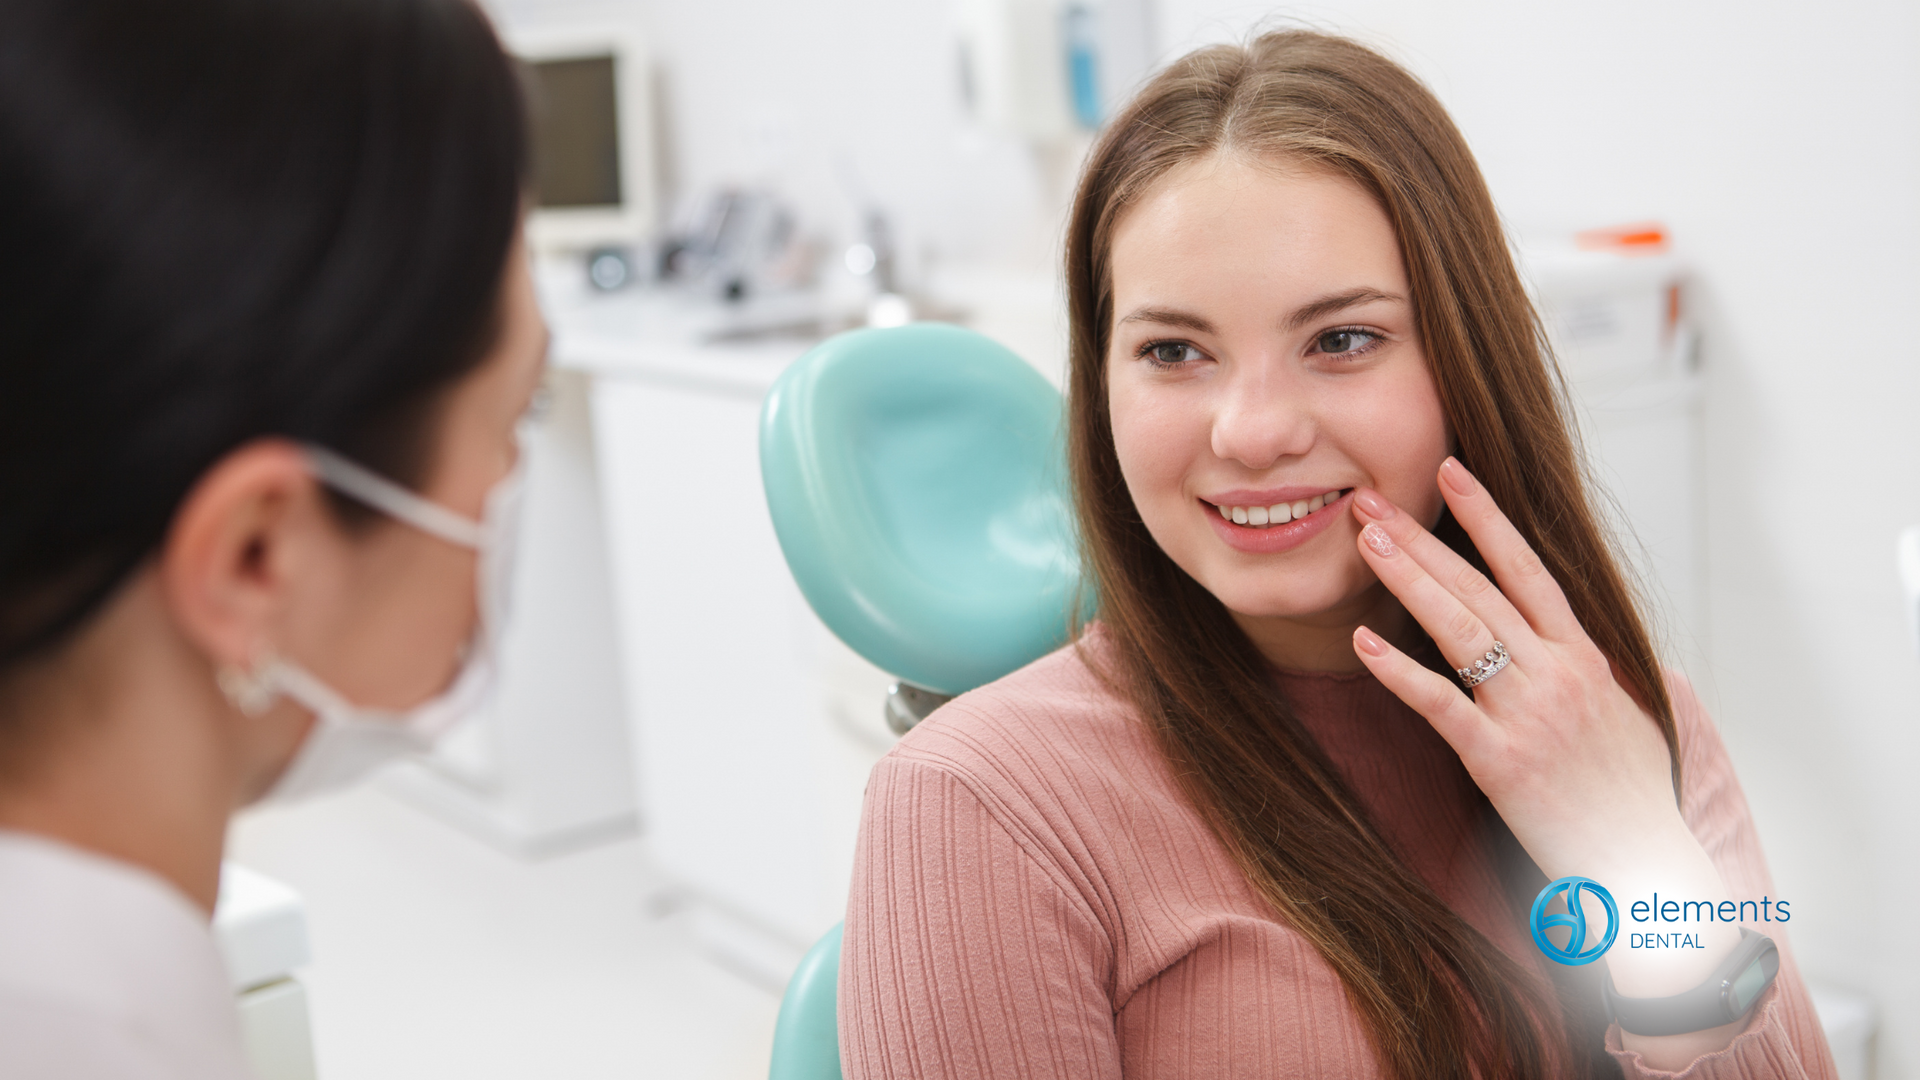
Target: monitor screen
576,132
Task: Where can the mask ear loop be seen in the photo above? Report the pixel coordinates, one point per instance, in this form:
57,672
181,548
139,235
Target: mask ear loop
390,498
253,689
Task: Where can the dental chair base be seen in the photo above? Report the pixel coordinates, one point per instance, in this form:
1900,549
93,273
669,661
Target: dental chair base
908,704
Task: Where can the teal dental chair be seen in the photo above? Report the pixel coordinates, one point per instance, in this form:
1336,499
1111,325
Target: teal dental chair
918,487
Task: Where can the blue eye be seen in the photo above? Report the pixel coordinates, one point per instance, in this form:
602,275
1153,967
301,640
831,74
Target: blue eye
1336,342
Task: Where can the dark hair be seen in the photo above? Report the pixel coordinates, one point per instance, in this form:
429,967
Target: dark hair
222,220
1438,998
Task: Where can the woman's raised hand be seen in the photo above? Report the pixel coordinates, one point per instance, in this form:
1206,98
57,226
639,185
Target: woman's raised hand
1579,771
1565,754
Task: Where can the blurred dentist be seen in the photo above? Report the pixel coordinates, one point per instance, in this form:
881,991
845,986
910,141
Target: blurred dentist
266,330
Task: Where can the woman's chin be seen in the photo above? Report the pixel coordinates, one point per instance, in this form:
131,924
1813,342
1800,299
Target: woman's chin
1320,582
1306,599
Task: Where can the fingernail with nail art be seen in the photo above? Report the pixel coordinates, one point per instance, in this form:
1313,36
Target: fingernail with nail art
1377,539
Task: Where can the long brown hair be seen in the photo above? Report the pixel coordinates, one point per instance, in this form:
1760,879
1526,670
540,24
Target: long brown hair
1437,997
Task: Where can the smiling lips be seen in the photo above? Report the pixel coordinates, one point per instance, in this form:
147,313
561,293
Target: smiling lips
1280,513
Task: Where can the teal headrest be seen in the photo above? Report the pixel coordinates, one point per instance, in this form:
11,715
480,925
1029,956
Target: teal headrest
917,481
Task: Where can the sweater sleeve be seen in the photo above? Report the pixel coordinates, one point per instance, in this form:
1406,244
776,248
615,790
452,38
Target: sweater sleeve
1783,1040
964,955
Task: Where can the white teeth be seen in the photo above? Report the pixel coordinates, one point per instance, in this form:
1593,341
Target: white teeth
1278,513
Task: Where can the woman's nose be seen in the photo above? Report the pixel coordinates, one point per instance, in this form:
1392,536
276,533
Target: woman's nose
1260,419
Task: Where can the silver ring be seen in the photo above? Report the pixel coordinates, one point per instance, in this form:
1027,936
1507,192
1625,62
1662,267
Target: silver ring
1486,667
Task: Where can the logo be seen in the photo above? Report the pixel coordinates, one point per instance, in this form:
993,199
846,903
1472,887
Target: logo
1575,920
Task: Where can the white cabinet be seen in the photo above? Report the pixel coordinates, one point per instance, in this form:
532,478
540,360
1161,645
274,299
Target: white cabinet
1618,324
545,767
753,727
260,926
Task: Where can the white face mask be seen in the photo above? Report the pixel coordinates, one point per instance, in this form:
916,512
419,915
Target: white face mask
348,742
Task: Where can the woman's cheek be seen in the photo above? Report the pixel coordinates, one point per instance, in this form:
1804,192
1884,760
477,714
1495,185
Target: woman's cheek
1407,432
1152,444
1152,440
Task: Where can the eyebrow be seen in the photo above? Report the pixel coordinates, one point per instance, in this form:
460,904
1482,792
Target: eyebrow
1170,317
1340,301
1318,309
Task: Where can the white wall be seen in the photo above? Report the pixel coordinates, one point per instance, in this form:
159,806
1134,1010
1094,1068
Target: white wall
1780,142
835,103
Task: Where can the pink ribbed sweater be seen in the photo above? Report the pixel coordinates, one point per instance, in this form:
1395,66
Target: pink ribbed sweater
1033,896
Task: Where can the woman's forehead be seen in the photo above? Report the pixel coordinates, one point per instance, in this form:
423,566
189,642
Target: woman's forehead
1223,230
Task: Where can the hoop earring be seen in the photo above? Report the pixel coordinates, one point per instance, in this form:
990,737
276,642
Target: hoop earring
251,690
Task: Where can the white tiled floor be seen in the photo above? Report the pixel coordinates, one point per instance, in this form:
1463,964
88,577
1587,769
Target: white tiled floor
437,956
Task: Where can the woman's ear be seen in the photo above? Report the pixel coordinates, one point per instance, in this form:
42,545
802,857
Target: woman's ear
234,548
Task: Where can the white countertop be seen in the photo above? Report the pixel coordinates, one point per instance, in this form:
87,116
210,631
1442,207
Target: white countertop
671,336
676,336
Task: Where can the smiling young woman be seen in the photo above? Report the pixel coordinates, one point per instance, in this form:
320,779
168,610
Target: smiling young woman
1248,823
